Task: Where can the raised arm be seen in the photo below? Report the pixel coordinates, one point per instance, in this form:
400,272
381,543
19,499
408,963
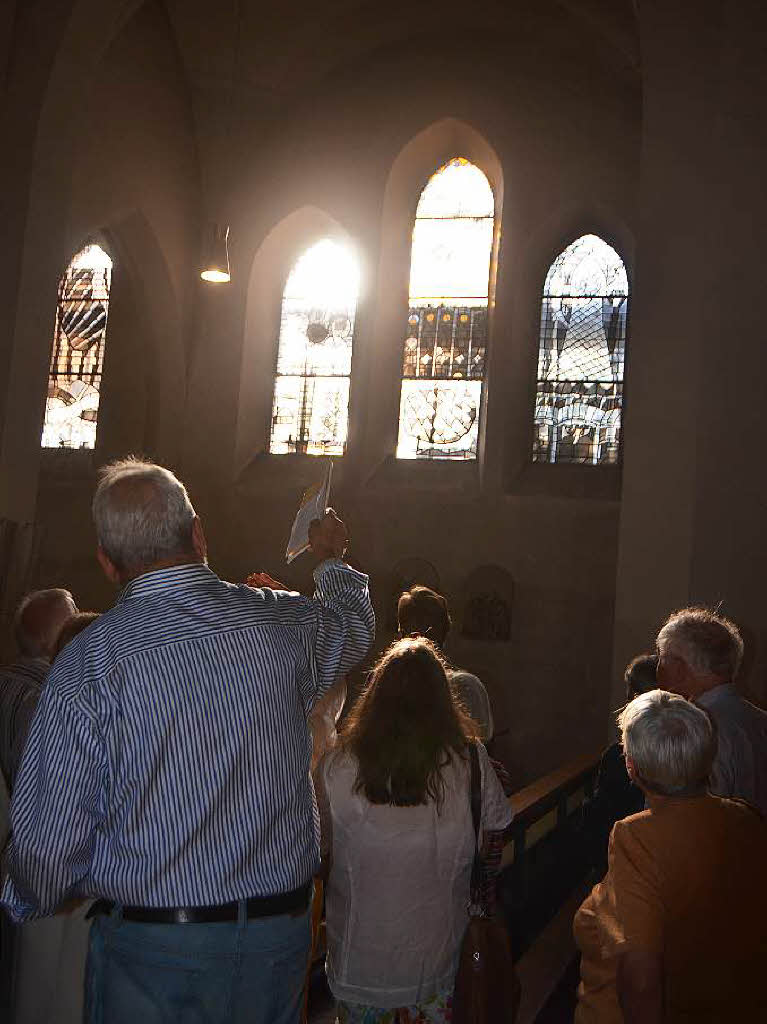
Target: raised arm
55,810
343,627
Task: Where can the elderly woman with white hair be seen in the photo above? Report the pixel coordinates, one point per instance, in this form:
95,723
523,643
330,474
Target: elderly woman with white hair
677,931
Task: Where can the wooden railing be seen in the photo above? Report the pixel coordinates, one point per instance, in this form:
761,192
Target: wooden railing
548,856
547,803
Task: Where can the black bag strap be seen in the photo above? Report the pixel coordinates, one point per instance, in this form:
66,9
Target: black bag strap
475,791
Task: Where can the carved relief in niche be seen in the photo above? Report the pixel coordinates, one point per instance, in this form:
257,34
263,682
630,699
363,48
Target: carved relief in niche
489,594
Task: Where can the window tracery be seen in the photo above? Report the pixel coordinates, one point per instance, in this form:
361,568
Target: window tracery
311,392
445,345
581,356
77,359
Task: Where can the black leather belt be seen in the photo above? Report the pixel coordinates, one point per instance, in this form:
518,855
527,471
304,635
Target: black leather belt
293,902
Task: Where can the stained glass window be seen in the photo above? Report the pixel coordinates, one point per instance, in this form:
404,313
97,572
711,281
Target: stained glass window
581,356
311,390
445,337
74,381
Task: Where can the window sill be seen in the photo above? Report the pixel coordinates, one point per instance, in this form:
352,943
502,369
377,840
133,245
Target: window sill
586,483
72,463
429,475
291,471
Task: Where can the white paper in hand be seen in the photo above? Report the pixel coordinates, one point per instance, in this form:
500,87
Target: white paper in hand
313,505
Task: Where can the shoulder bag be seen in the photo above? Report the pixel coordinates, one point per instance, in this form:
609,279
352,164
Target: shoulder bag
486,985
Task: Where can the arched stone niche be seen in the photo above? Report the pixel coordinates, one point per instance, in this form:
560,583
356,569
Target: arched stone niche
272,263
487,606
52,228
144,370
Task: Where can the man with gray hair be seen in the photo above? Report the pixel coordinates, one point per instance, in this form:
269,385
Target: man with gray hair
36,626
699,656
167,768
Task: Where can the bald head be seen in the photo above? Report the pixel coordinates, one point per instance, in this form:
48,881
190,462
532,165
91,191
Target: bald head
39,619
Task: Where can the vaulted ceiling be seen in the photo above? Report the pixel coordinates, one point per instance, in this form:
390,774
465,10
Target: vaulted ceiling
269,52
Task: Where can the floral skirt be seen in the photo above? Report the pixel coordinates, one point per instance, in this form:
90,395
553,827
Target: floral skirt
437,1010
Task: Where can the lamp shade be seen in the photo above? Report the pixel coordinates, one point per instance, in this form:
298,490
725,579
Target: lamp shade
215,266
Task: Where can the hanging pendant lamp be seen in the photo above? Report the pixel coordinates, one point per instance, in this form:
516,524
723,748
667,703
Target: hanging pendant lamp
215,267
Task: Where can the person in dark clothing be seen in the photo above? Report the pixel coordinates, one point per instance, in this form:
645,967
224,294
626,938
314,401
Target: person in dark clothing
615,795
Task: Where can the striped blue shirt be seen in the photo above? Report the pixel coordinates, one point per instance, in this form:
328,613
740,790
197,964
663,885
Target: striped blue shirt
168,760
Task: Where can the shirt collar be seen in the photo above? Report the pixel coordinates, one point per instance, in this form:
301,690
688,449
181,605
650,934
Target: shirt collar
175,577
715,694
661,802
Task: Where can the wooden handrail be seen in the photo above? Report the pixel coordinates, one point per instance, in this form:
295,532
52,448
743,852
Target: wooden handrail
531,801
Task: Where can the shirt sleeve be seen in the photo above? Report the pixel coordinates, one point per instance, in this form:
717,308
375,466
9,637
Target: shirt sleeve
475,697
22,725
5,810
725,775
633,885
342,628
323,806
56,808
496,810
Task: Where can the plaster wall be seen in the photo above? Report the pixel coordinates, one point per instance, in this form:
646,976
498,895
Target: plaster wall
694,494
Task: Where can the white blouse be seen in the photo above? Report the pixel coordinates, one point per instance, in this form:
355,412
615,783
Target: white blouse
398,891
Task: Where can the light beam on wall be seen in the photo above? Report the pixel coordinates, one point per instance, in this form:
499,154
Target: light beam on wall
215,266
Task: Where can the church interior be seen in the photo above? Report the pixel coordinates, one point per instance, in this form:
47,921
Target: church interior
139,127
500,262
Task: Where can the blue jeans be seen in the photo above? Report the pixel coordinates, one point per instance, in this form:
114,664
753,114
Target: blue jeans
246,972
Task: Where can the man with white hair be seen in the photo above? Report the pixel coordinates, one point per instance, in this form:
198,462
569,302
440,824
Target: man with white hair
36,626
677,931
699,656
167,768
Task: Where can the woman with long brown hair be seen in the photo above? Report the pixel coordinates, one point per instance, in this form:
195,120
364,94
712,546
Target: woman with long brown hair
401,841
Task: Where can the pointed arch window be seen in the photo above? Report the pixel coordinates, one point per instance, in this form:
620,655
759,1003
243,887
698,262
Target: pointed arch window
443,365
314,360
581,356
77,359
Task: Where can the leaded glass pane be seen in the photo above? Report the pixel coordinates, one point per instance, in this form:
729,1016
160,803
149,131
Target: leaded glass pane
445,337
319,406
439,420
74,381
581,356
450,260
445,341
311,394
459,189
